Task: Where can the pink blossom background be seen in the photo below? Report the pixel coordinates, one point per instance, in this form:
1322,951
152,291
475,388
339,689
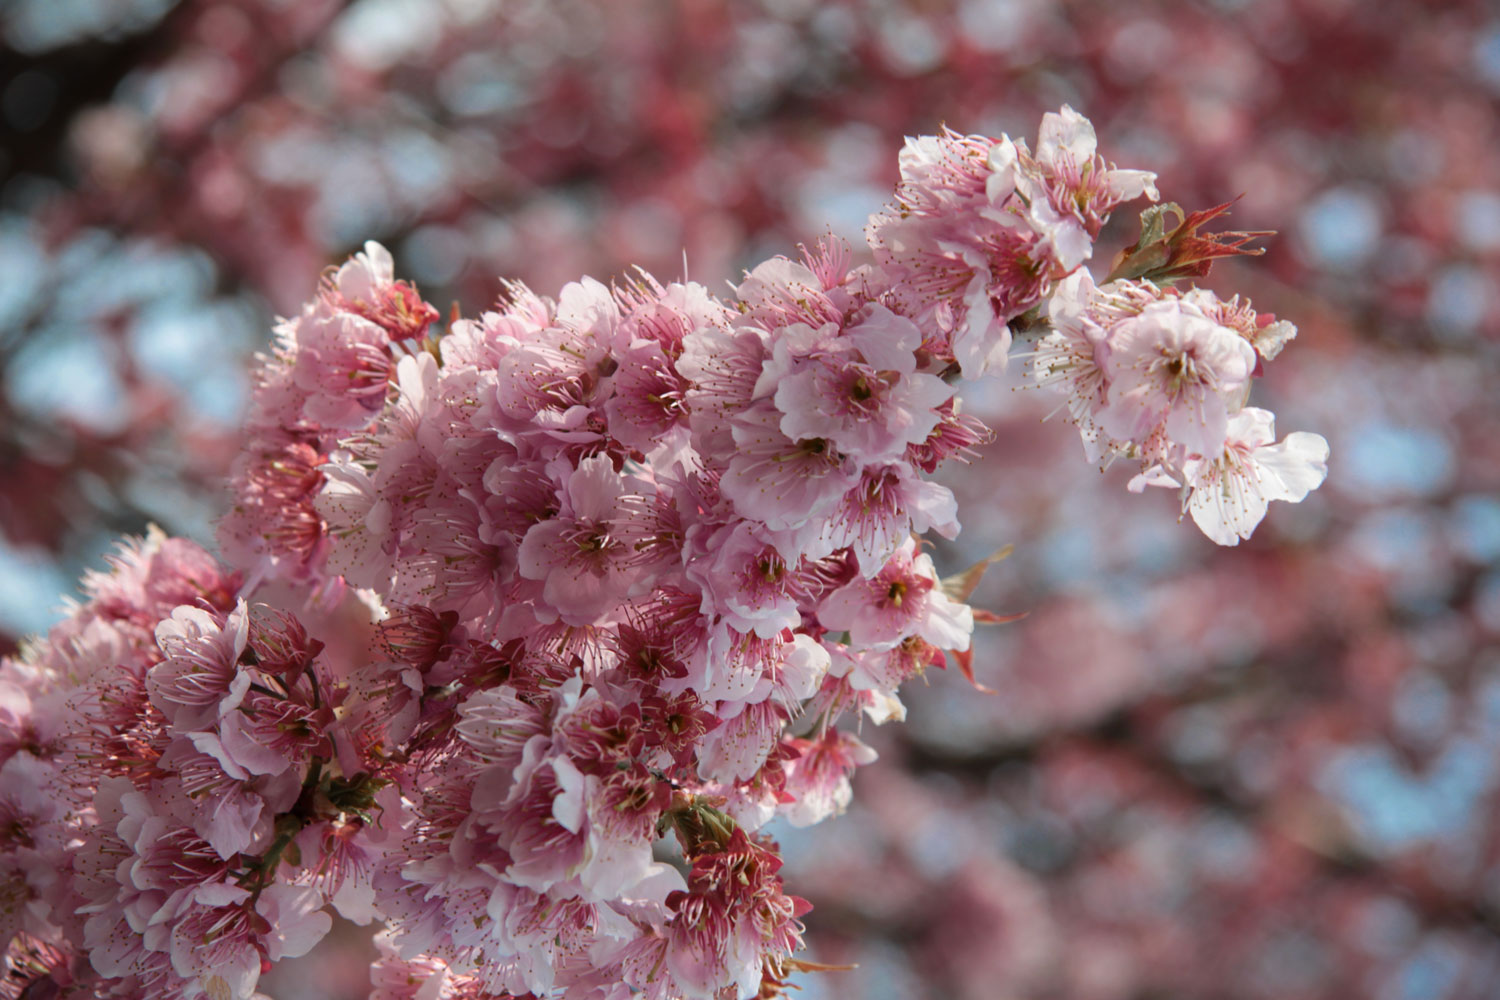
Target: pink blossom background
1270,771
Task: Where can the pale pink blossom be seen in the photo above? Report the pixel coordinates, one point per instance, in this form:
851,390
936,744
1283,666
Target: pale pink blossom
228,812
738,748
1070,190
586,555
199,679
781,482
540,822
731,665
358,522
723,368
956,255
342,365
1267,334
362,277
1173,368
622,806
366,285
781,292
861,390
1070,360
296,917
702,956
817,779
33,848
214,941
649,407
745,579
881,511
902,600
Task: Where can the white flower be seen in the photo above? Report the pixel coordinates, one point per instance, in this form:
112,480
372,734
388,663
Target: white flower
1229,494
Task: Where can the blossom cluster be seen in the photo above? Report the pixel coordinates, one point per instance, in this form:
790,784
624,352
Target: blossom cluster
622,562
1162,376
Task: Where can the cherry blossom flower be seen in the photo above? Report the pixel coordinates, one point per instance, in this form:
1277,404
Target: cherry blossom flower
861,392
199,680
902,600
1070,190
818,777
586,554
1229,494
1171,366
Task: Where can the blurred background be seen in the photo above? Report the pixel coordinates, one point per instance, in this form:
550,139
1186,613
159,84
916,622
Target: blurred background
1265,772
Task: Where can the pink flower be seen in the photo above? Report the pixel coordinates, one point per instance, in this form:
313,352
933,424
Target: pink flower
956,435
538,933
817,778
733,917
740,747
227,810
1172,367
296,917
861,390
460,560
362,277
698,952
342,364
23,720
1010,274
649,405
731,665
358,521
622,805
1070,359
498,724
666,315
902,600
34,848
420,977
781,482
366,285
548,379
272,733
274,519
745,579
586,556
540,823
1070,190
955,256
723,368
781,292
214,941
199,680
879,513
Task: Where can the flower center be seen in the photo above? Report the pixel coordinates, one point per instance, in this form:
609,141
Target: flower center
770,569
813,446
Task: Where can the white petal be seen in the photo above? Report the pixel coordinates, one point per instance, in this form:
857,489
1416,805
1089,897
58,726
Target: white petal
1001,183
1270,339
1127,185
1299,464
1229,509
1067,132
